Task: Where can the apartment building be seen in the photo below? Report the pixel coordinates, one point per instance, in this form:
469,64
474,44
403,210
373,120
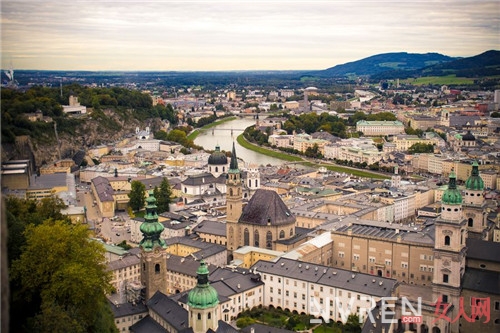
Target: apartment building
298,286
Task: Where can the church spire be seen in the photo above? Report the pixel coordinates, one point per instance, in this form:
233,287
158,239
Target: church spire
234,160
151,229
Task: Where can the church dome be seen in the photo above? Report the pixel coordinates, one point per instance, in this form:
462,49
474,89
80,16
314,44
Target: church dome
452,195
266,208
468,137
474,182
217,157
203,296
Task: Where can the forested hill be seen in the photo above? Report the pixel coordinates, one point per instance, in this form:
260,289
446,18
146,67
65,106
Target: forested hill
385,62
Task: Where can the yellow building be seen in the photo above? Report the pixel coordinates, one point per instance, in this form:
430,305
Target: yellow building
247,256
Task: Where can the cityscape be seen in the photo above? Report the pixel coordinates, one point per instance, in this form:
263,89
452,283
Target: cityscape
221,189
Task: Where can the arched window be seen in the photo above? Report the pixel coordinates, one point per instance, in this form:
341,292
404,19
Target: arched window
269,240
185,190
446,240
256,238
209,316
199,316
291,232
256,183
231,192
249,183
144,267
246,237
216,169
157,268
282,234
470,222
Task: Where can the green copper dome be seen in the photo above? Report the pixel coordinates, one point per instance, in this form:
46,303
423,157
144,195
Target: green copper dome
217,157
474,182
203,296
151,229
452,195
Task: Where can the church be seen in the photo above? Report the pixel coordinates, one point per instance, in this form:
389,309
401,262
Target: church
208,189
263,221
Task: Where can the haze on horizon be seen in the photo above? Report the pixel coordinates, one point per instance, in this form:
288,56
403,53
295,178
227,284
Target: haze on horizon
208,35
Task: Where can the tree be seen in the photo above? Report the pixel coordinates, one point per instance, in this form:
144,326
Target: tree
137,195
62,280
421,148
163,196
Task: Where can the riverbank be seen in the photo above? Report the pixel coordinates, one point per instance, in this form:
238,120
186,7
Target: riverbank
282,156
194,134
290,158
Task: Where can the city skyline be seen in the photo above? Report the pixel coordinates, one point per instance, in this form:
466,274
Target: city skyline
223,35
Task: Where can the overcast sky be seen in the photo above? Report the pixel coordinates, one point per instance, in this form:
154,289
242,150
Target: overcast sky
237,35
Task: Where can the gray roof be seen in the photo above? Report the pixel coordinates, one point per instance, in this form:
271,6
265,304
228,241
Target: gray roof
48,181
204,178
481,280
206,249
265,207
147,325
328,276
126,261
211,227
169,310
127,309
103,189
483,250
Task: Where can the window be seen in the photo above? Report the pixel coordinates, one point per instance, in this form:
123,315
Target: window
387,262
470,222
445,278
294,295
356,257
497,305
209,315
404,265
199,316
246,237
447,240
269,240
271,289
287,292
157,268
256,238
282,234
341,254
371,259
279,291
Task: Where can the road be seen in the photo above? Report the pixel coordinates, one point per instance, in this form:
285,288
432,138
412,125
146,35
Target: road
112,232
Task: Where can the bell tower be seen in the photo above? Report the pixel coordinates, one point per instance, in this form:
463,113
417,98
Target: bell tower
449,249
474,204
234,198
153,251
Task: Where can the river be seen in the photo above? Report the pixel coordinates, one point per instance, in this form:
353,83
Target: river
222,136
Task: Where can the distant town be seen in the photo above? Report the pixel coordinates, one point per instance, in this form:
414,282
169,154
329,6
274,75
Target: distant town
333,206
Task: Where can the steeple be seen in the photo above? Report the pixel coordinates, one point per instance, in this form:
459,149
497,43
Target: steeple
233,166
151,229
474,182
153,251
203,302
452,195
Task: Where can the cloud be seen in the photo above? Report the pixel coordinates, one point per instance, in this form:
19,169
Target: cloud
215,35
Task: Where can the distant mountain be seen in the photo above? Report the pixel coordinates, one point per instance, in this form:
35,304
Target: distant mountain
484,64
385,62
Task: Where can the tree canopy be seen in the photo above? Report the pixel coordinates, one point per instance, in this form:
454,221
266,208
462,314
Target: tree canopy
163,195
137,195
62,281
